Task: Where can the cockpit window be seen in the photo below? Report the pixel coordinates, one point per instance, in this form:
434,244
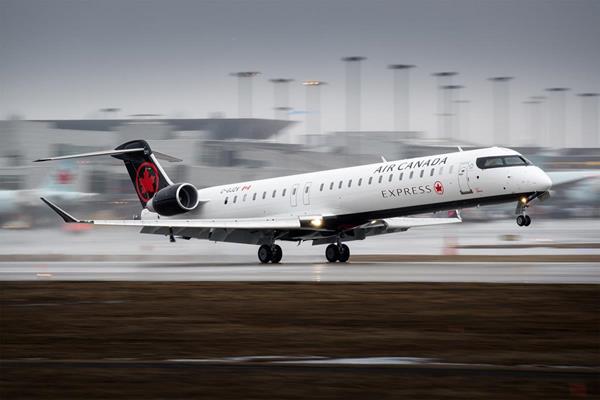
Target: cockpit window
501,161
514,160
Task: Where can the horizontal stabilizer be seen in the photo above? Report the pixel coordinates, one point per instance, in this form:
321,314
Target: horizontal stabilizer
158,155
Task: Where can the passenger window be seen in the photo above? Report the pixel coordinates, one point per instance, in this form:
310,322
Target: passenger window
274,193
294,191
450,170
321,188
244,198
360,182
441,170
254,196
283,193
370,180
391,177
340,185
411,174
226,199
331,186
235,198
431,172
264,195
306,189
350,183
401,175
380,178
422,172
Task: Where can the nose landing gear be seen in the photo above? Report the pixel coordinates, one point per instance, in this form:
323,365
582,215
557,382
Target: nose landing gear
271,253
522,218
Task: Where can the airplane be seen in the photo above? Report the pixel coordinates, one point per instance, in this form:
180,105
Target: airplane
61,185
328,207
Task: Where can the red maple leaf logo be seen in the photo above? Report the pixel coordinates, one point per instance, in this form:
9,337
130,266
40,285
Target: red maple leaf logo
146,181
438,187
64,177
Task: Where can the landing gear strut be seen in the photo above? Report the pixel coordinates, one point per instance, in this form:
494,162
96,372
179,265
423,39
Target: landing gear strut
522,218
271,253
337,252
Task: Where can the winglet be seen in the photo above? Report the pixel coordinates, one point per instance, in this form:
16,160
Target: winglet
68,218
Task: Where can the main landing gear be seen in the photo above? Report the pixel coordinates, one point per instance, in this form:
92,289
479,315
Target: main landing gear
523,220
337,252
271,253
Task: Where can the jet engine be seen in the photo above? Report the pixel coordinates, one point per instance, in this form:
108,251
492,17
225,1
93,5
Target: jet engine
175,199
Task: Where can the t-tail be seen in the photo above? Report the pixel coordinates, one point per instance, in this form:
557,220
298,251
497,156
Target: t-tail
155,190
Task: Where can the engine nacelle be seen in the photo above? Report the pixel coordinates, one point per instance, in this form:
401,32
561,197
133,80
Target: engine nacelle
175,199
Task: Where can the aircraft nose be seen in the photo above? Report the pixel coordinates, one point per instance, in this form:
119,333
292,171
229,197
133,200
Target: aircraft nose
544,183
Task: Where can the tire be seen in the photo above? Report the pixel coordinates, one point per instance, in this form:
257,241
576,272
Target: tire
332,253
264,254
277,254
527,220
520,220
344,253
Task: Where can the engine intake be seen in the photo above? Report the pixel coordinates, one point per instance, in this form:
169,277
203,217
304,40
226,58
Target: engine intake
174,199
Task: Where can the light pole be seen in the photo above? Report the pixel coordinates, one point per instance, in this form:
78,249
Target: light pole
558,115
501,113
442,79
313,106
589,119
245,92
281,97
449,121
401,96
462,112
353,92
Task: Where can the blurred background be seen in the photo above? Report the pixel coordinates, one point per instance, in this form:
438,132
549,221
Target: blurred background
249,90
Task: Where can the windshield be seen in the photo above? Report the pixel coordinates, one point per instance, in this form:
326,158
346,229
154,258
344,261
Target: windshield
501,161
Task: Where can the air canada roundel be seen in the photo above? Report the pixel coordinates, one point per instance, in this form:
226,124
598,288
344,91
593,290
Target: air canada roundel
438,187
146,181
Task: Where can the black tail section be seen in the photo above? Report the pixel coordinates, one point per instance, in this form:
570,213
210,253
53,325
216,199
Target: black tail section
146,174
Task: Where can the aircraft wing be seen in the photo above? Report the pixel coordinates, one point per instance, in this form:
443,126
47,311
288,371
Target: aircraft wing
260,230
221,223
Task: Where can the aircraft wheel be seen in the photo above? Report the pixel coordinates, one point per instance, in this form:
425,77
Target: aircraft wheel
265,254
332,253
527,220
277,254
521,220
344,253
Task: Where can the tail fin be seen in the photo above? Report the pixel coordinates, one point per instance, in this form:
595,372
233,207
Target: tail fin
64,179
146,174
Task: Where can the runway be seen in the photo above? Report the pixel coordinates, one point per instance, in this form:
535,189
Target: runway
301,269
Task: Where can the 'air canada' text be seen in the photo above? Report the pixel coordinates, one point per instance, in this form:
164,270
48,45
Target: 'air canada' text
430,162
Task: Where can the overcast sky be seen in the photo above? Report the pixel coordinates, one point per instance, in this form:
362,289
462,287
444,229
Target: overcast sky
66,59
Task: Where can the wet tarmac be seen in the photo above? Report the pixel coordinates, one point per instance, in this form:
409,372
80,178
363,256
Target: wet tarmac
301,269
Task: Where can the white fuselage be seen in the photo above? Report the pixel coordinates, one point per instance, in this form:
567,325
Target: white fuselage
386,189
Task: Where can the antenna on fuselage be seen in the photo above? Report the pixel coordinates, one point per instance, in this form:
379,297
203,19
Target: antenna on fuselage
459,148
383,159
